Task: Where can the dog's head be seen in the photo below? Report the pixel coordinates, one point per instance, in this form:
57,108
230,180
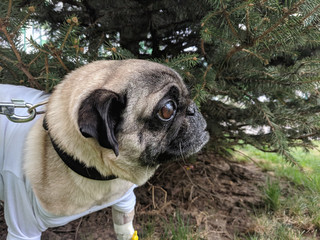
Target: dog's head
139,111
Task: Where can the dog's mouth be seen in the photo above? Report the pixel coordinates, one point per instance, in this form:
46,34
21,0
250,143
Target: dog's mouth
205,136
182,148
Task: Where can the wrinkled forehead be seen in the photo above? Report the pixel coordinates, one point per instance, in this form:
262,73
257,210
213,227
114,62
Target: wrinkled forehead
157,80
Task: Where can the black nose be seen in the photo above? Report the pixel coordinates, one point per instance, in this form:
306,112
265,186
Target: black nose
191,110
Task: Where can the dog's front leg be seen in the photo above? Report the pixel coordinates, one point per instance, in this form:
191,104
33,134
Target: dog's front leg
122,223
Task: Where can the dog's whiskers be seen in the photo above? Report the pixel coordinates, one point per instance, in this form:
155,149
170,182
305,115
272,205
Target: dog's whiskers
181,154
146,171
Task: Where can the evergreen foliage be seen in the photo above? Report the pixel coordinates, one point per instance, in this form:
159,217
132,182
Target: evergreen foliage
264,56
252,66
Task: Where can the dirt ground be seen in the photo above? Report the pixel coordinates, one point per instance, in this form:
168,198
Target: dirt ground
216,196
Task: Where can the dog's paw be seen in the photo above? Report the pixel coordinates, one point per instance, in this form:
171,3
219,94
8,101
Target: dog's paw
124,231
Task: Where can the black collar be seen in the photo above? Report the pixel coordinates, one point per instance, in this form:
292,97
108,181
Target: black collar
74,164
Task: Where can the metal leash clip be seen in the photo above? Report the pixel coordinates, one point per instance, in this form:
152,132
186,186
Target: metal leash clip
7,109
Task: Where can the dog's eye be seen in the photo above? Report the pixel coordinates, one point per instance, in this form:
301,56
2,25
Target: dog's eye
167,111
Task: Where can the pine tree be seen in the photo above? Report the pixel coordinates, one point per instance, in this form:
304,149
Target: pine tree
253,66
262,73
46,64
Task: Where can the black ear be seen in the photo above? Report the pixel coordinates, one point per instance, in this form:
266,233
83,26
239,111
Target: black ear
99,115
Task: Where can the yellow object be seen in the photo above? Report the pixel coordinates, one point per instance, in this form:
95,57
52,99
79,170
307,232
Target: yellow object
135,236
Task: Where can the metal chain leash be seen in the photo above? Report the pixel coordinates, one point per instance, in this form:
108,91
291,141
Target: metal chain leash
8,109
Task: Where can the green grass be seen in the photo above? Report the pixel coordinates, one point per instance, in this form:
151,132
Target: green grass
292,197
177,227
310,161
272,194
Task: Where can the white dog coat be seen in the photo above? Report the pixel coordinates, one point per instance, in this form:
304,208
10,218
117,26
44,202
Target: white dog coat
25,218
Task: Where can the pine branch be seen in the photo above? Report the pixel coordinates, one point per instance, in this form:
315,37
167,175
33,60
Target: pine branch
34,59
265,61
204,83
55,53
247,20
8,59
315,9
47,72
20,64
12,72
310,135
190,60
3,28
233,30
100,43
207,18
37,46
256,40
265,115
291,159
9,9
73,22
30,11
203,51
293,10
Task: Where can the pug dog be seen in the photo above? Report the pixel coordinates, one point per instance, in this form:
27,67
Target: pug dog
108,126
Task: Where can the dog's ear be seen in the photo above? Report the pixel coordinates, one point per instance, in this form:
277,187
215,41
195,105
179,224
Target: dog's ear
99,115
